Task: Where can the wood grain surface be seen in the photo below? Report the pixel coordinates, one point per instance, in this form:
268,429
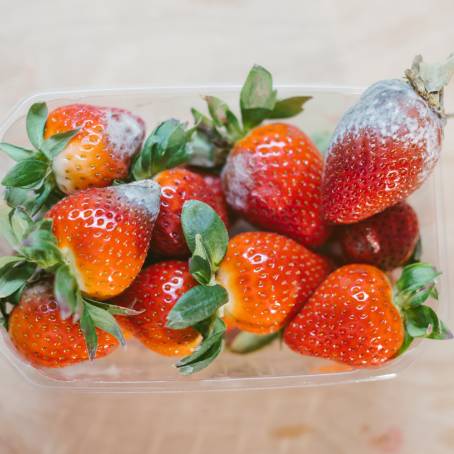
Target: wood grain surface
46,45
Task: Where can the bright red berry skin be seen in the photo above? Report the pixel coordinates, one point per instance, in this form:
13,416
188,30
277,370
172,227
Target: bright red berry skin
155,292
177,186
386,240
350,318
382,150
105,233
43,338
268,278
101,152
272,179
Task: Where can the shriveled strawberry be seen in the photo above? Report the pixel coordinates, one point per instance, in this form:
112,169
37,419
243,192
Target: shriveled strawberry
386,145
104,234
76,147
386,240
272,179
179,185
268,277
43,338
101,151
155,291
356,318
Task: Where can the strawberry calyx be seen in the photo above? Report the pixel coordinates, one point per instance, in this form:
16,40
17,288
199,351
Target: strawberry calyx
31,182
215,135
244,342
429,81
207,239
165,148
415,286
38,254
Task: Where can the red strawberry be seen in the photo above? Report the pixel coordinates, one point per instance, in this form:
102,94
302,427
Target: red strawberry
386,240
75,147
102,150
104,234
179,185
42,337
272,178
268,277
155,291
355,318
386,145
214,182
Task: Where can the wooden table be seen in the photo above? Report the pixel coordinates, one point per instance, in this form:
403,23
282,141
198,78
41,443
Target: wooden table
50,44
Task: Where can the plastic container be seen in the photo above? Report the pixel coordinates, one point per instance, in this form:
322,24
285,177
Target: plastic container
135,369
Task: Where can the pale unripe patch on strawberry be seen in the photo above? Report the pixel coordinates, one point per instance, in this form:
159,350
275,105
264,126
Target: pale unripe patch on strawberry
125,132
239,175
145,194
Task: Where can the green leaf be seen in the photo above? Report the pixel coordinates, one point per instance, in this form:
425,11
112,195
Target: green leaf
204,361
408,340
195,305
6,228
113,308
164,148
257,97
422,321
21,223
15,152
41,245
87,325
205,327
199,218
199,265
289,107
248,342
200,269
9,259
105,321
13,276
16,197
55,144
224,117
205,353
26,174
36,122
416,276
66,291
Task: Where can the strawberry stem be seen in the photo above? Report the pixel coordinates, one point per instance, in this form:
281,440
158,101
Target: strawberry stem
429,80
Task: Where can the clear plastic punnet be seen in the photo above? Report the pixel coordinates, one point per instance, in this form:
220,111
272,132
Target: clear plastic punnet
136,369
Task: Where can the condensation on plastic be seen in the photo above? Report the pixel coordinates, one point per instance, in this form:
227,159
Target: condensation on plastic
135,369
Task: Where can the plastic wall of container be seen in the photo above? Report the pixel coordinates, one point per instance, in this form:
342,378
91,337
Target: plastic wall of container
135,369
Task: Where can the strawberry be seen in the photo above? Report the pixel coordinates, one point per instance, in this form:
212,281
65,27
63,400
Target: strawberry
93,242
268,277
104,234
101,151
386,240
43,338
76,147
154,292
179,185
272,174
357,318
386,145
214,182
272,179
